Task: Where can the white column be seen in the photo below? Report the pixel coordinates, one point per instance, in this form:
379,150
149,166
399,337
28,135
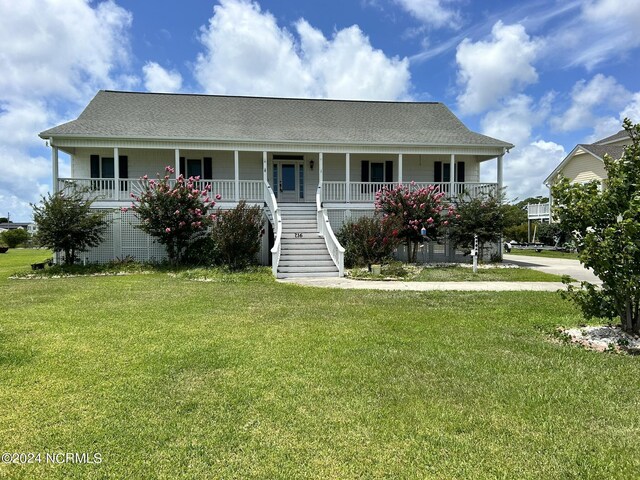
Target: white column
116,174
550,202
500,180
347,185
452,176
177,163
236,169
320,168
264,168
54,165
400,168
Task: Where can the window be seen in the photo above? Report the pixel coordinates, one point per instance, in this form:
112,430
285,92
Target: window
103,167
195,167
442,172
376,171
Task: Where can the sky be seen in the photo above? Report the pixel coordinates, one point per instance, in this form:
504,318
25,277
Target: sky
544,75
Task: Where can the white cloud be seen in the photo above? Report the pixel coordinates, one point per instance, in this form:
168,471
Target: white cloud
605,29
432,12
247,52
158,79
492,69
601,93
55,55
526,168
632,109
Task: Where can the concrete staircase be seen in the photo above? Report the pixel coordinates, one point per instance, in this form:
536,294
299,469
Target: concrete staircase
303,251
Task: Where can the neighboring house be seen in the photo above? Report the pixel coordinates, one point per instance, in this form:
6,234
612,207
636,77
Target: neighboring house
311,164
585,163
29,227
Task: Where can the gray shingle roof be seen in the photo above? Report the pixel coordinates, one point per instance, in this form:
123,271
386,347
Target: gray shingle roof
227,118
622,134
615,151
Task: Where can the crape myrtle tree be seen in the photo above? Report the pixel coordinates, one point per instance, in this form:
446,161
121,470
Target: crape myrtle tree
410,209
606,226
368,241
483,215
67,223
175,213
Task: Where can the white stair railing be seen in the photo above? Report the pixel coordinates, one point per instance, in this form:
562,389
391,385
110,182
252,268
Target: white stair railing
324,229
272,205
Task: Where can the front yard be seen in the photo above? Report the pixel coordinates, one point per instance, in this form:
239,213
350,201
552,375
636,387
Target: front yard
244,377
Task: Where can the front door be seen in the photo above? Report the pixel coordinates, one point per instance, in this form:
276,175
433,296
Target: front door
288,180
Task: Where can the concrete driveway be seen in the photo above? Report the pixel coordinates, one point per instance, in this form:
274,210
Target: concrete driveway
557,266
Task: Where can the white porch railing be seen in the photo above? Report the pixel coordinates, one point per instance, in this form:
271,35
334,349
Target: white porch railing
272,205
538,211
324,229
104,189
365,192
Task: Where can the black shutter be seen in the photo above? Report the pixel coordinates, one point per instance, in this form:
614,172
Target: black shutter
123,166
95,166
388,171
437,172
207,169
183,169
364,171
460,172
446,172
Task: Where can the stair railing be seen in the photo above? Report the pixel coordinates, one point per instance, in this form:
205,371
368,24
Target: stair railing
272,205
324,229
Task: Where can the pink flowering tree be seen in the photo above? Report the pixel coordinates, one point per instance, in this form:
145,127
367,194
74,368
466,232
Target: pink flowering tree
175,212
410,209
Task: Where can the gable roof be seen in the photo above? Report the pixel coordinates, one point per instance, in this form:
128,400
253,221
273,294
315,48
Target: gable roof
597,149
113,114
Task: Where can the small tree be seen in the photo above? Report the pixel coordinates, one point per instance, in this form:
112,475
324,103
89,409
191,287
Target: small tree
606,226
411,209
368,240
14,237
236,235
482,216
174,213
66,223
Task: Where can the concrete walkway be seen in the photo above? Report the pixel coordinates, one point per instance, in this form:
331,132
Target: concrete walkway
557,266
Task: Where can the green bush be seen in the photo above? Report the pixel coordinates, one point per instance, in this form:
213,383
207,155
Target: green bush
236,236
13,238
519,233
367,241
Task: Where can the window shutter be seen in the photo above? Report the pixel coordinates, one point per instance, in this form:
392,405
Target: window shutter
95,166
123,165
446,172
207,168
460,172
437,172
364,171
183,167
388,171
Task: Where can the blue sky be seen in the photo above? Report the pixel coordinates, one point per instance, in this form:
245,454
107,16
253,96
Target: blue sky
544,75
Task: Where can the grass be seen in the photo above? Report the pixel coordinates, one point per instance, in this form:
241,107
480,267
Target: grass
545,253
167,377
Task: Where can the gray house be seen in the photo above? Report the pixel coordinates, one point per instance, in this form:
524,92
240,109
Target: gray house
310,163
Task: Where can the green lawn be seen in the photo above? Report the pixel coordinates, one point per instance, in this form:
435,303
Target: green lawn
243,377
545,253
465,274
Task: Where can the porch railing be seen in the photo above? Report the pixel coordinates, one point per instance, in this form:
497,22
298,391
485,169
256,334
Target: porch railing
104,189
365,192
324,229
272,206
537,211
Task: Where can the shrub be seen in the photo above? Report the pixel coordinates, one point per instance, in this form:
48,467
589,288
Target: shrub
15,237
519,233
236,235
411,209
606,226
66,223
174,213
367,241
482,216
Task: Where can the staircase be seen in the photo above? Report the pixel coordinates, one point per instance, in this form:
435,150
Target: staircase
303,251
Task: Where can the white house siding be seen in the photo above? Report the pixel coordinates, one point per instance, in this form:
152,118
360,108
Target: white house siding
584,167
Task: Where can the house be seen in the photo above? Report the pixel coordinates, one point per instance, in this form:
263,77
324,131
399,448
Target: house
312,164
585,163
29,227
